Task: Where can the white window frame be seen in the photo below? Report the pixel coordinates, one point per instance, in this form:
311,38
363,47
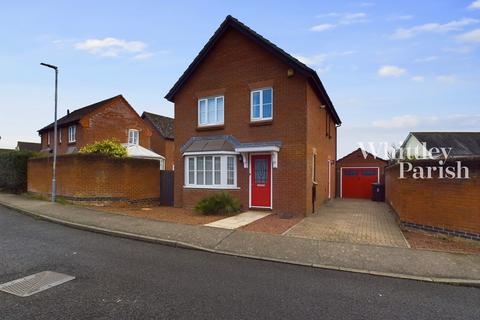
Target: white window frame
48,137
72,134
59,135
216,122
223,172
261,117
135,135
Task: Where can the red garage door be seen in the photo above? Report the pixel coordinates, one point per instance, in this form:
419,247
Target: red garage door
357,182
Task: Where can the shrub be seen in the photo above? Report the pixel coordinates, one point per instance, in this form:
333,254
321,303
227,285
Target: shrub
13,170
108,147
219,203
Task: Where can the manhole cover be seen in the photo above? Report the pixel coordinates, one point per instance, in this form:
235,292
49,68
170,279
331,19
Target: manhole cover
35,283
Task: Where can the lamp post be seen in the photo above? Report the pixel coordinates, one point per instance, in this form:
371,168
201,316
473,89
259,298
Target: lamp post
54,169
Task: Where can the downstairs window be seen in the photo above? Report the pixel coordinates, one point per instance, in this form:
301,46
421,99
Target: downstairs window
211,171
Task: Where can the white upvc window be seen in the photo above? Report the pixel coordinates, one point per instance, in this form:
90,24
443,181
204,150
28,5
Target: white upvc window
48,137
133,136
211,171
60,135
261,102
210,111
72,134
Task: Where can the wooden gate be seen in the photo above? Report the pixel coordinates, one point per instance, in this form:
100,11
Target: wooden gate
166,187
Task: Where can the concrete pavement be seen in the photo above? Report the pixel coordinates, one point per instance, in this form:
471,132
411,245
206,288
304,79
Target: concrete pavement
395,262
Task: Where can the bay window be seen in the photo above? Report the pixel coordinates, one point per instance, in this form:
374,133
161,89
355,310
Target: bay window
211,171
210,111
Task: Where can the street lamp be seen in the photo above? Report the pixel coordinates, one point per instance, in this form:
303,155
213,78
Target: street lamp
54,169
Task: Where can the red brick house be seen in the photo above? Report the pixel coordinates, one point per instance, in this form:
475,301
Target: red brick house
356,172
107,119
255,121
162,137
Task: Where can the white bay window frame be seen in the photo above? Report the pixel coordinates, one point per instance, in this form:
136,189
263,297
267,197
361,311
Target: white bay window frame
217,175
213,111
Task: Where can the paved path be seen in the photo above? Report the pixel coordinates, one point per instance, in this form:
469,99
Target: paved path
239,220
380,260
354,221
123,279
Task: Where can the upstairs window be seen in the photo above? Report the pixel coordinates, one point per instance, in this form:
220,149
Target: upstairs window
261,104
48,138
60,135
133,136
72,133
210,111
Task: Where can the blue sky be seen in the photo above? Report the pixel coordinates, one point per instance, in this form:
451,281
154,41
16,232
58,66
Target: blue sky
390,67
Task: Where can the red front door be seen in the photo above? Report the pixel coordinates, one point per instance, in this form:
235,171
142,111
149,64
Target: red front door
357,182
261,181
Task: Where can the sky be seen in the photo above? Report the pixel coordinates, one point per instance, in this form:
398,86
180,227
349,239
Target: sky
389,67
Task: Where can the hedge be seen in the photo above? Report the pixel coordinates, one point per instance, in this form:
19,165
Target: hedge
13,170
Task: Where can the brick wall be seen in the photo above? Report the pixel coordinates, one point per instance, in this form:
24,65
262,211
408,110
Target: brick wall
356,159
233,68
93,178
110,121
436,204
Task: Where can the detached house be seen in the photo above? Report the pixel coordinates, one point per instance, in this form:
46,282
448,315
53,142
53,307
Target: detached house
113,118
255,121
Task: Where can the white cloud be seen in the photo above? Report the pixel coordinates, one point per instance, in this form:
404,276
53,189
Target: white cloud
448,79
391,71
433,27
474,5
418,78
110,47
312,60
471,36
143,56
342,19
455,121
322,27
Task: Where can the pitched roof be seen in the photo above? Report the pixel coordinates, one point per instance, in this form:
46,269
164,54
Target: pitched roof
29,146
222,143
231,22
462,143
164,125
362,151
78,114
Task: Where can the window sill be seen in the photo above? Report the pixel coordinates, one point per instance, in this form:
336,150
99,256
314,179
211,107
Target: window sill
258,123
212,187
211,127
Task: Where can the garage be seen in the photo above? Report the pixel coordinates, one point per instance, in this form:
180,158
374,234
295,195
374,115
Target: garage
357,182
356,172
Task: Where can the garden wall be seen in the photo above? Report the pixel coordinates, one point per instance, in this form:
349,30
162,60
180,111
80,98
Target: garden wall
449,206
13,171
97,179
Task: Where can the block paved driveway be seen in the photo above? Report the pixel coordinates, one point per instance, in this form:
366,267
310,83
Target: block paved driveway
352,220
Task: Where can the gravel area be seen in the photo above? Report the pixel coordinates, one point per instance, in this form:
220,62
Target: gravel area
171,214
438,242
272,224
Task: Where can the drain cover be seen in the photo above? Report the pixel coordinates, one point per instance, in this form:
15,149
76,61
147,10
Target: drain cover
35,283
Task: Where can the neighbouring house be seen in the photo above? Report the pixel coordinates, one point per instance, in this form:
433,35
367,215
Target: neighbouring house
28,146
424,193
254,121
460,144
356,172
162,137
113,118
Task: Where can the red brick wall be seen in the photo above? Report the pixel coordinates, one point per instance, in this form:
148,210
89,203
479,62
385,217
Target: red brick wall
93,178
322,142
162,146
110,121
356,159
233,68
444,203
